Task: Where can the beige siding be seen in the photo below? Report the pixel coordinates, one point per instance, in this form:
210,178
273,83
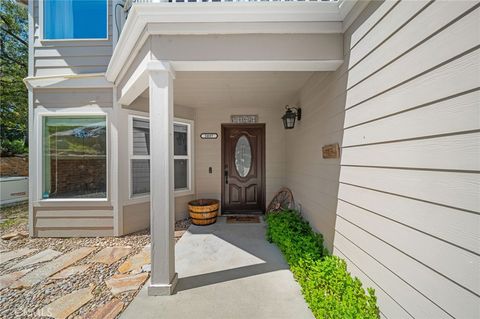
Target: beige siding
313,180
408,210
72,98
70,57
73,221
81,218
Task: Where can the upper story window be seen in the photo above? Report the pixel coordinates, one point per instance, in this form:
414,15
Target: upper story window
74,19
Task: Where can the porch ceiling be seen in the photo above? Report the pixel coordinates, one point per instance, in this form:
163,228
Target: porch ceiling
237,89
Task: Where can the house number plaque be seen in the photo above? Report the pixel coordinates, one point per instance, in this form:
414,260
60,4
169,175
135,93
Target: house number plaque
331,151
244,119
208,136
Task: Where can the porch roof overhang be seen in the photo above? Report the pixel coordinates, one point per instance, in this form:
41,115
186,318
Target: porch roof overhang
222,18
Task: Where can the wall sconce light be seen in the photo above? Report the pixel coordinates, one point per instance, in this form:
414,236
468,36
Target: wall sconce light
291,114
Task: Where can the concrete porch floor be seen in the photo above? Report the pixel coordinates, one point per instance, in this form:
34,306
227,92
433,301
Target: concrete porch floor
226,271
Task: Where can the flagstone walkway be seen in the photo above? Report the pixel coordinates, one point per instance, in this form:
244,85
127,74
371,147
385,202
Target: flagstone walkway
72,277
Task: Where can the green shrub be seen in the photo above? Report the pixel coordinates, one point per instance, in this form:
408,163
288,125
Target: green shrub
13,147
328,288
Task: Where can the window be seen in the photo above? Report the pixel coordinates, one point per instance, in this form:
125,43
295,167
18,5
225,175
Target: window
140,156
74,19
74,157
181,156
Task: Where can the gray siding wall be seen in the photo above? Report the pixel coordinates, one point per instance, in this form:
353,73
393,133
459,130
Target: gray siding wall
409,202
70,57
73,222
68,219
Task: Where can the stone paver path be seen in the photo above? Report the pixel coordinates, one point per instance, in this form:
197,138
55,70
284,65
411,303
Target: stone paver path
110,255
136,262
122,283
9,255
68,304
70,271
107,311
8,279
43,256
52,267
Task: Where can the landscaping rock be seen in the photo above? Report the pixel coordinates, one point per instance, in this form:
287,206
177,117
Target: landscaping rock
52,267
110,255
13,235
8,279
107,311
70,271
68,304
122,283
4,257
136,262
179,233
42,256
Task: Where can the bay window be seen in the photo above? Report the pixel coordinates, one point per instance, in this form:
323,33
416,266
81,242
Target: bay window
75,19
74,157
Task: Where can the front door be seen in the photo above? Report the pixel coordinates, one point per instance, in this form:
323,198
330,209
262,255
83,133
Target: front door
243,162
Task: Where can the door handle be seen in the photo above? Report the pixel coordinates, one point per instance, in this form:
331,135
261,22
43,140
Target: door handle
226,176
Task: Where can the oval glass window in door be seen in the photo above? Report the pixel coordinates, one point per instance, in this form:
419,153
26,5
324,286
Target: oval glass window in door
243,156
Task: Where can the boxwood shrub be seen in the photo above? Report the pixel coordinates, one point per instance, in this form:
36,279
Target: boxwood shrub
327,286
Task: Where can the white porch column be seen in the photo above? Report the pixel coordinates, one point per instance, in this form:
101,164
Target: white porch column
162,219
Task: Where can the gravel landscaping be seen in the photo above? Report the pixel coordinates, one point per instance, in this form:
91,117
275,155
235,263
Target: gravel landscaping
28,302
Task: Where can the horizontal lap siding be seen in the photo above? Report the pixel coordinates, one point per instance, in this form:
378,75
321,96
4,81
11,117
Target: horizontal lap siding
71,57
73,222
408,215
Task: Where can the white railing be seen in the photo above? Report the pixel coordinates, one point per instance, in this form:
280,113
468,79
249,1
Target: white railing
153,1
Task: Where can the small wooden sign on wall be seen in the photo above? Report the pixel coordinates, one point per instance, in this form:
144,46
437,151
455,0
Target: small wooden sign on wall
331,151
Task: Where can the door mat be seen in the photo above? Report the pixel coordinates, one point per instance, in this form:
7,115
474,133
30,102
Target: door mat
243,219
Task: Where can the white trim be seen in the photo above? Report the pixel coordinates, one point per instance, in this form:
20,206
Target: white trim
227,17
195,28
67,81
41,27
131,156
354,10
145,197
287,65
39,114
190,190
31,149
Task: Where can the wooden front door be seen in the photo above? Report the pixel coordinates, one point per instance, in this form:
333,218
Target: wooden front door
243,162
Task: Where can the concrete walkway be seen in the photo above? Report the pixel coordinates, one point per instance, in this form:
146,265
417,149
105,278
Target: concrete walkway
226,271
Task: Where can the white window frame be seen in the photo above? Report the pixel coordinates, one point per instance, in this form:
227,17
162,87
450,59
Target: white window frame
41,28
132,157
190,158
68,112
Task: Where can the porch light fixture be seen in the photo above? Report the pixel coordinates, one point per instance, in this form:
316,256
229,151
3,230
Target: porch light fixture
291,114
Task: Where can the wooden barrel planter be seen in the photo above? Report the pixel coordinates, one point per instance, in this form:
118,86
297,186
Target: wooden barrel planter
203,211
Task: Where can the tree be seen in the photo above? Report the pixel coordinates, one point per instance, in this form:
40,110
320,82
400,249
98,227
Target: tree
13,69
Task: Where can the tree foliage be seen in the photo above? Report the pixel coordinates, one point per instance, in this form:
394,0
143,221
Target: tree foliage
13,69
